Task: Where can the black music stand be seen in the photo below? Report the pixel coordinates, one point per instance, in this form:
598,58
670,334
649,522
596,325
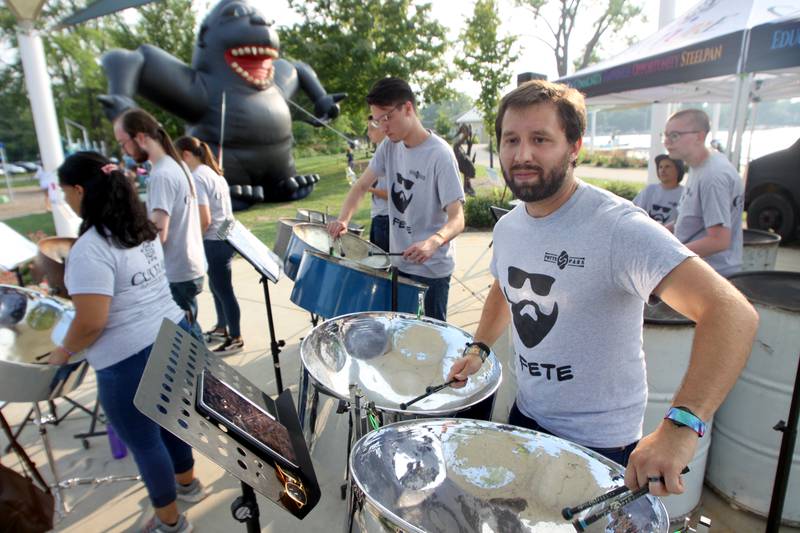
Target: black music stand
166,394
266,263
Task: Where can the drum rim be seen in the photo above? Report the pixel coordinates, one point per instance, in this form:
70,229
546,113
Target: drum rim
428,414
347,235
382,273
657,502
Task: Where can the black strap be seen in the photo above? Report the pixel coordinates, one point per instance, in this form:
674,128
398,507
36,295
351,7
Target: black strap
485,350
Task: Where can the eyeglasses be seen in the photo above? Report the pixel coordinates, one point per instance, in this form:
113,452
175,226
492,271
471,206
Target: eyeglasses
294,495
377,122
675,135
123,143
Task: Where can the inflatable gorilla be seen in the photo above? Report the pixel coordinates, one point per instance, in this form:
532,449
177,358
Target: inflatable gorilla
236,54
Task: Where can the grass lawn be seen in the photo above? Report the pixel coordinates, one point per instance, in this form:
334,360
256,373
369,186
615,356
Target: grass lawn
28,224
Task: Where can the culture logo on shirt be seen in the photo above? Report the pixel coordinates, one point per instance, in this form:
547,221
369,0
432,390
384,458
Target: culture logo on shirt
533,310
401,192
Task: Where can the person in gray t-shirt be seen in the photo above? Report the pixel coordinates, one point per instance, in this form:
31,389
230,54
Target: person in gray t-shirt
660,200
171,205
710,213
379,210
425,195
574,266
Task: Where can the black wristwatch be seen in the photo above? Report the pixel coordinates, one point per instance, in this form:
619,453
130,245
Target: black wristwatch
484,350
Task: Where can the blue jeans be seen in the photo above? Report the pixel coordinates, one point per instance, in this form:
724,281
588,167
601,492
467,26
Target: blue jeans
185,295
619,455
435,296
379,232
220,280
158,453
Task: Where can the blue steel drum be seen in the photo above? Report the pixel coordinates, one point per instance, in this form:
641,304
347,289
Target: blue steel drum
331,286
309,236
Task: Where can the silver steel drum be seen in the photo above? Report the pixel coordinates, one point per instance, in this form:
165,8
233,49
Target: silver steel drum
50,262
392,357
318,217
444,475
31,325
284,234
316,237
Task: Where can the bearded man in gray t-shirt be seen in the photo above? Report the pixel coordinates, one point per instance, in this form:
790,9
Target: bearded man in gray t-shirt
710,211
574,266
425,195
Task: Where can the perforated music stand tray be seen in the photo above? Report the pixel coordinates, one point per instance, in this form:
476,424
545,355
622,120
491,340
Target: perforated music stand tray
166,394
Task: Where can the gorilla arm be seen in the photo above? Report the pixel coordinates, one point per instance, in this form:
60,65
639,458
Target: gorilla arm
325,107
156,75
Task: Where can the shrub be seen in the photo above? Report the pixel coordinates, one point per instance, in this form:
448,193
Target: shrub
476,211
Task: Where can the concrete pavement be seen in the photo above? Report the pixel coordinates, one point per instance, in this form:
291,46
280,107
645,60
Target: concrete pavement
124,506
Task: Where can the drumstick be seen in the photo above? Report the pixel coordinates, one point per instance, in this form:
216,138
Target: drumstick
40,357
428,391
614,505
385,253
569,512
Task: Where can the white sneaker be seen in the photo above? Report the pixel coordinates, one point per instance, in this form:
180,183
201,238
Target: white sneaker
193,492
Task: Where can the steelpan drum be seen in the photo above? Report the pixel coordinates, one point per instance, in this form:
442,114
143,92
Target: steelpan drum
50,261
446,475
392,357
284,234
332,286
316,237
31,325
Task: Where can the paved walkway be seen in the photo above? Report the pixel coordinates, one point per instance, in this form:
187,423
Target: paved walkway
124,506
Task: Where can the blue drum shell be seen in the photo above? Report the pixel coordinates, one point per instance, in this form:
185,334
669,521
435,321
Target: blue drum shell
331,286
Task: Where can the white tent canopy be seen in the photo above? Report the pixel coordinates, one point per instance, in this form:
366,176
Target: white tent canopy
736,51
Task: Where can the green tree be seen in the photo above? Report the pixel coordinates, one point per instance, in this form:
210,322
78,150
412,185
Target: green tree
614,16
486,57
353,43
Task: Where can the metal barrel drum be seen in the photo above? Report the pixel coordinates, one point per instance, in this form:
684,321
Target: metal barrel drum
284,234
331,286
440,475
307,236
318,217
745,448
31,325
667,341
759,250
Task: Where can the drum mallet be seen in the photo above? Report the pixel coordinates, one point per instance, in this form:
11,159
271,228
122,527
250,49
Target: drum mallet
432,389
390,254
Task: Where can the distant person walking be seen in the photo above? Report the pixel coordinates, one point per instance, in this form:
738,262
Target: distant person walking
214,203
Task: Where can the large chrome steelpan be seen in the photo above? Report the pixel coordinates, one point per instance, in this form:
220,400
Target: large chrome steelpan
31,325
316,237
446,475
332,286
51,259
391,358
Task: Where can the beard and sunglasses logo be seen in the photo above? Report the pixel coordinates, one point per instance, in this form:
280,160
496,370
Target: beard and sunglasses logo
400,196
660,213
533,310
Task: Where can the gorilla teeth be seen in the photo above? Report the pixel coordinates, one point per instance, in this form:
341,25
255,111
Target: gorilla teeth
255,51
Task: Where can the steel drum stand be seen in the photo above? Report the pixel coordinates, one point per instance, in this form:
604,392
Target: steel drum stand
789,430
166,394
274,345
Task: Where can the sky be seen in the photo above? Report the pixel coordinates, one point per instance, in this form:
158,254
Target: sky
534,55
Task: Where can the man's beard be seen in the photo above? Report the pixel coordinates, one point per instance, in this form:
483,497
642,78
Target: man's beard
139,154
549,183
532,330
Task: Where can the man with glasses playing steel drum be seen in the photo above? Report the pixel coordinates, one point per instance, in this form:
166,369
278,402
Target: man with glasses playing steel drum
573,267
425,194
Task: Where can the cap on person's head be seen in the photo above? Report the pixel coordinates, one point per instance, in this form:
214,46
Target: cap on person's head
679,164
389,92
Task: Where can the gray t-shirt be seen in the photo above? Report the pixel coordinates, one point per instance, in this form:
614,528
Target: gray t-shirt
171,189
660,203
422,181
212,190
714,195
576,282
379,207
140,296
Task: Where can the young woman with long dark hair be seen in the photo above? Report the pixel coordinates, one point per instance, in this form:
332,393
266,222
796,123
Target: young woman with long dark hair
116,277
214,203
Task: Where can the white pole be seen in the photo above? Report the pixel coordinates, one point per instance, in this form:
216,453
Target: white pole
6,172
659,112
37,81
594,130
